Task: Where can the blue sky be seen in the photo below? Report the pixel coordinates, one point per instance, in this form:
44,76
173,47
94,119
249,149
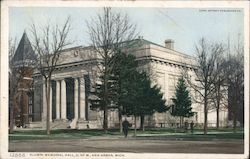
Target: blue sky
184,26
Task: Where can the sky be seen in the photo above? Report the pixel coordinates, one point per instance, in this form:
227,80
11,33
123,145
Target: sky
184,26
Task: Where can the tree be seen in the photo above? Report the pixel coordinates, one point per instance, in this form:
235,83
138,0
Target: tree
140,99
48,42
124,67
205,74
182,101
219,98
235,82
154,102
107,32
13,83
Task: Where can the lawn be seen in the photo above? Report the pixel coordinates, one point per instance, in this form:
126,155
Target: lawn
164,133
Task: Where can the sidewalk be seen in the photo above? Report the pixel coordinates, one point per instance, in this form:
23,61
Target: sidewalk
120,144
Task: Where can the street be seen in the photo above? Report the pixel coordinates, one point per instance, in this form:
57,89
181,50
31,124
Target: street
107,144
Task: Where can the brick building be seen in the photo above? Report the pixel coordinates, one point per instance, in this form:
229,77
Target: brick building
21,82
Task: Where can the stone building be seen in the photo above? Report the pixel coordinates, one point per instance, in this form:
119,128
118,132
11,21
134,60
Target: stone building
74,77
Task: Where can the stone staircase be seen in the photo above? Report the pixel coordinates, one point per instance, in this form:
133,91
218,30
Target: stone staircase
36,125
60,124
64,124
91,124
53,125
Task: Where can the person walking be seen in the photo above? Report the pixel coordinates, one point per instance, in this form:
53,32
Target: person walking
125,126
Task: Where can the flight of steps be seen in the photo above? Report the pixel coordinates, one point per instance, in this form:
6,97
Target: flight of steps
91,124
60,124
63,124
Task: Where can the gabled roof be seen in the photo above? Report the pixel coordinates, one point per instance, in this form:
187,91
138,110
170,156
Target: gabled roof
24,51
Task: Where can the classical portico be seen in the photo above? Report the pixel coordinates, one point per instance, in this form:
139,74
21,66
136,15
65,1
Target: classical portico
59,95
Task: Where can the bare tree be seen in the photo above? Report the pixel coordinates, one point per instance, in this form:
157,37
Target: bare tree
48,42
219,99
235,80
13,83
107,33
205,74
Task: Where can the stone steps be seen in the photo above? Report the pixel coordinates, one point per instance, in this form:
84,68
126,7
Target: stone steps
94,124
63,124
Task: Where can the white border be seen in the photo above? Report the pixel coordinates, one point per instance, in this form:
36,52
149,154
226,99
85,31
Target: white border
168,4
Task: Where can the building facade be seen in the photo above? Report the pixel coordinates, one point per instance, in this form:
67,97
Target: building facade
75,76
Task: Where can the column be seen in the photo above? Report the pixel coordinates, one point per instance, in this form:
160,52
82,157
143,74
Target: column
58,99
82,98
50,102
76,98
63,100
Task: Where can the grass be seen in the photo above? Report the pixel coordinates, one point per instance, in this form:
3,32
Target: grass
224,133
58,134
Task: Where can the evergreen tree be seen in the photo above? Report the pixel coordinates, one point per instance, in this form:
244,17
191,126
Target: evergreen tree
107,32
97,101
152,101
129,91
124,67
140,99
182,101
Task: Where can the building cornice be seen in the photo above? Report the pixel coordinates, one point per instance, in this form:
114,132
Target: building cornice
165,61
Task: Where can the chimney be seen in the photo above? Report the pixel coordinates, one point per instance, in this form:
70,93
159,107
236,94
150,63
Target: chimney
169,44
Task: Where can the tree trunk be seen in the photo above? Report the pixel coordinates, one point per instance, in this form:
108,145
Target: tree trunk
205,120
142,122
218,108
180,122
119,105
205,114
235,108
234,122
11,114
47,86
120,118
105,118
135,127
217,118
234,114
